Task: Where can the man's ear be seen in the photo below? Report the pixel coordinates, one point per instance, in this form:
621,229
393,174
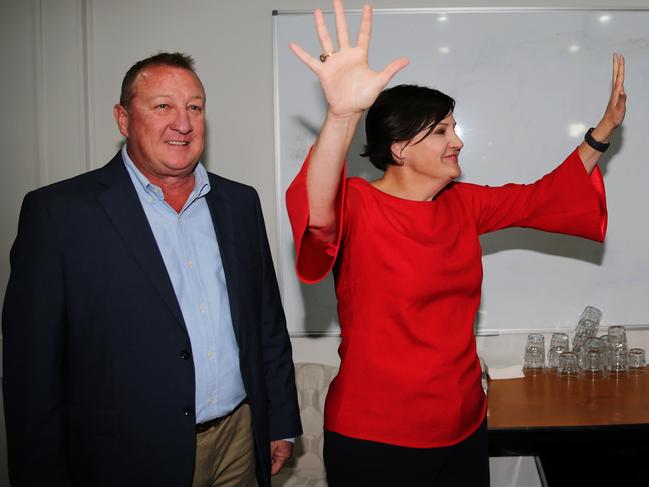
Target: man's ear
121,117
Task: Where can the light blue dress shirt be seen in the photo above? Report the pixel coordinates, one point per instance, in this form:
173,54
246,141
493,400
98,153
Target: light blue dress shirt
190,251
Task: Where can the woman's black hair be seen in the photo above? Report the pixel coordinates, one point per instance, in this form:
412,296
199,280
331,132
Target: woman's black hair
400,113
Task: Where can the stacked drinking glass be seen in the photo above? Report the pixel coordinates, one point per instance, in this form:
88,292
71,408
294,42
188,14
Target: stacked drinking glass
559,344
534,360
587,327
591,356
618,350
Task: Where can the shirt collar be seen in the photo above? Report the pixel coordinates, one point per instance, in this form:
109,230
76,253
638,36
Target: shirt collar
201,180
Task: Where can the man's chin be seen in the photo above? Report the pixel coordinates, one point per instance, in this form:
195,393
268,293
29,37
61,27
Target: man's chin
181,164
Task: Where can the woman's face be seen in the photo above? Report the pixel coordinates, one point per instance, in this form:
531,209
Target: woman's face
435,156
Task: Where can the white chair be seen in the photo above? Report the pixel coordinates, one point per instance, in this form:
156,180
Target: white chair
306,468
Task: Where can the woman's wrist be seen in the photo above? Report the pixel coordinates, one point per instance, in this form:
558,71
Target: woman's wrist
603,131
343,125
344,118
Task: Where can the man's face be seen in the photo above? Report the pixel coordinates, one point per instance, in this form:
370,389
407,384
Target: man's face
165,122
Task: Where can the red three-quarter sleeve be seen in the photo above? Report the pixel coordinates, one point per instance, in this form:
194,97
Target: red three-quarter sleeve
567,200
314,259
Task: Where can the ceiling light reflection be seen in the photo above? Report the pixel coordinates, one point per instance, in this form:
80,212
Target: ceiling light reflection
576,129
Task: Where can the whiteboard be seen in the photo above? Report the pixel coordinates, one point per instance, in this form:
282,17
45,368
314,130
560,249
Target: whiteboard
528,84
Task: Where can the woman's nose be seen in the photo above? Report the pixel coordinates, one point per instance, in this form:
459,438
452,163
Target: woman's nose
457,142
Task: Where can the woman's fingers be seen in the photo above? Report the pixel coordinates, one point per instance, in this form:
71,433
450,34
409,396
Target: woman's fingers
305,57
326,43
614,81
618,95
393,68
341,24
616,108
348,83
365,30
620,74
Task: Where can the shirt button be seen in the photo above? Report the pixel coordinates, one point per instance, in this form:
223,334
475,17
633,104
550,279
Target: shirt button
185,355
202,307
210,354
188,412
190,264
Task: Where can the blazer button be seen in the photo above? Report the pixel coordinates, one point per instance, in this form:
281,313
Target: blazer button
185,355
188,412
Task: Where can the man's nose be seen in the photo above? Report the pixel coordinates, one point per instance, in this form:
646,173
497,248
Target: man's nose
182,122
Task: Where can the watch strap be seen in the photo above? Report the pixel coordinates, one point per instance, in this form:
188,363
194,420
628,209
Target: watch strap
595,144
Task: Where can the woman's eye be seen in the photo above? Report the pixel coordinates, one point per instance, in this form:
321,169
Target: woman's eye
439,132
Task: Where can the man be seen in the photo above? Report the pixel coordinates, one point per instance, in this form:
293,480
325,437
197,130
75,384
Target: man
144,338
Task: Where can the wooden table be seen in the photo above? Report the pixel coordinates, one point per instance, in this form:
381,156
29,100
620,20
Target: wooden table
574,428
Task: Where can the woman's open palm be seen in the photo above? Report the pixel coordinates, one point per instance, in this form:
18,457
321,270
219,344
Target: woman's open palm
349,84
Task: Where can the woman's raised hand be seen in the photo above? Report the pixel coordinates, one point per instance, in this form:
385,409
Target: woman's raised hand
349,84
612,119
616,108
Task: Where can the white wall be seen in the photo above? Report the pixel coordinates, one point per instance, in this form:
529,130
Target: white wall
50,115
50,122
45,127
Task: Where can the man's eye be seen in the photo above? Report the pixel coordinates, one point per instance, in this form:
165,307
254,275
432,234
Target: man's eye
196,108
163,106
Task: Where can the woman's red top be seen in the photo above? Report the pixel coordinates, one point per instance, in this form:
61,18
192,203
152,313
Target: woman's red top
408,277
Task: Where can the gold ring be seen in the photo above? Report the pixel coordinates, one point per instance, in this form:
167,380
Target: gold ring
323,57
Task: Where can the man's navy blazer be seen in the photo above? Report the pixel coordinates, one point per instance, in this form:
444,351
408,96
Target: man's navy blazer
98,376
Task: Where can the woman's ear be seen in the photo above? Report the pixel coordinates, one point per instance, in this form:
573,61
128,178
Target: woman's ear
397,149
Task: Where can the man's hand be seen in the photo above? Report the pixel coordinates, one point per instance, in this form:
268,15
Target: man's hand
280,451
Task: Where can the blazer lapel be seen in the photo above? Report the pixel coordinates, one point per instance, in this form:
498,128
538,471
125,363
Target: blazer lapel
222,217
121,203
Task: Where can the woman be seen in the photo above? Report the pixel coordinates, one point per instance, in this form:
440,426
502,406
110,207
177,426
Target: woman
407,407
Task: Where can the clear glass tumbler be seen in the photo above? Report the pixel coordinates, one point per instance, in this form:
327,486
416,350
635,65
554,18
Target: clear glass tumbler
534,359
569,365
637,362
593,365
619,363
